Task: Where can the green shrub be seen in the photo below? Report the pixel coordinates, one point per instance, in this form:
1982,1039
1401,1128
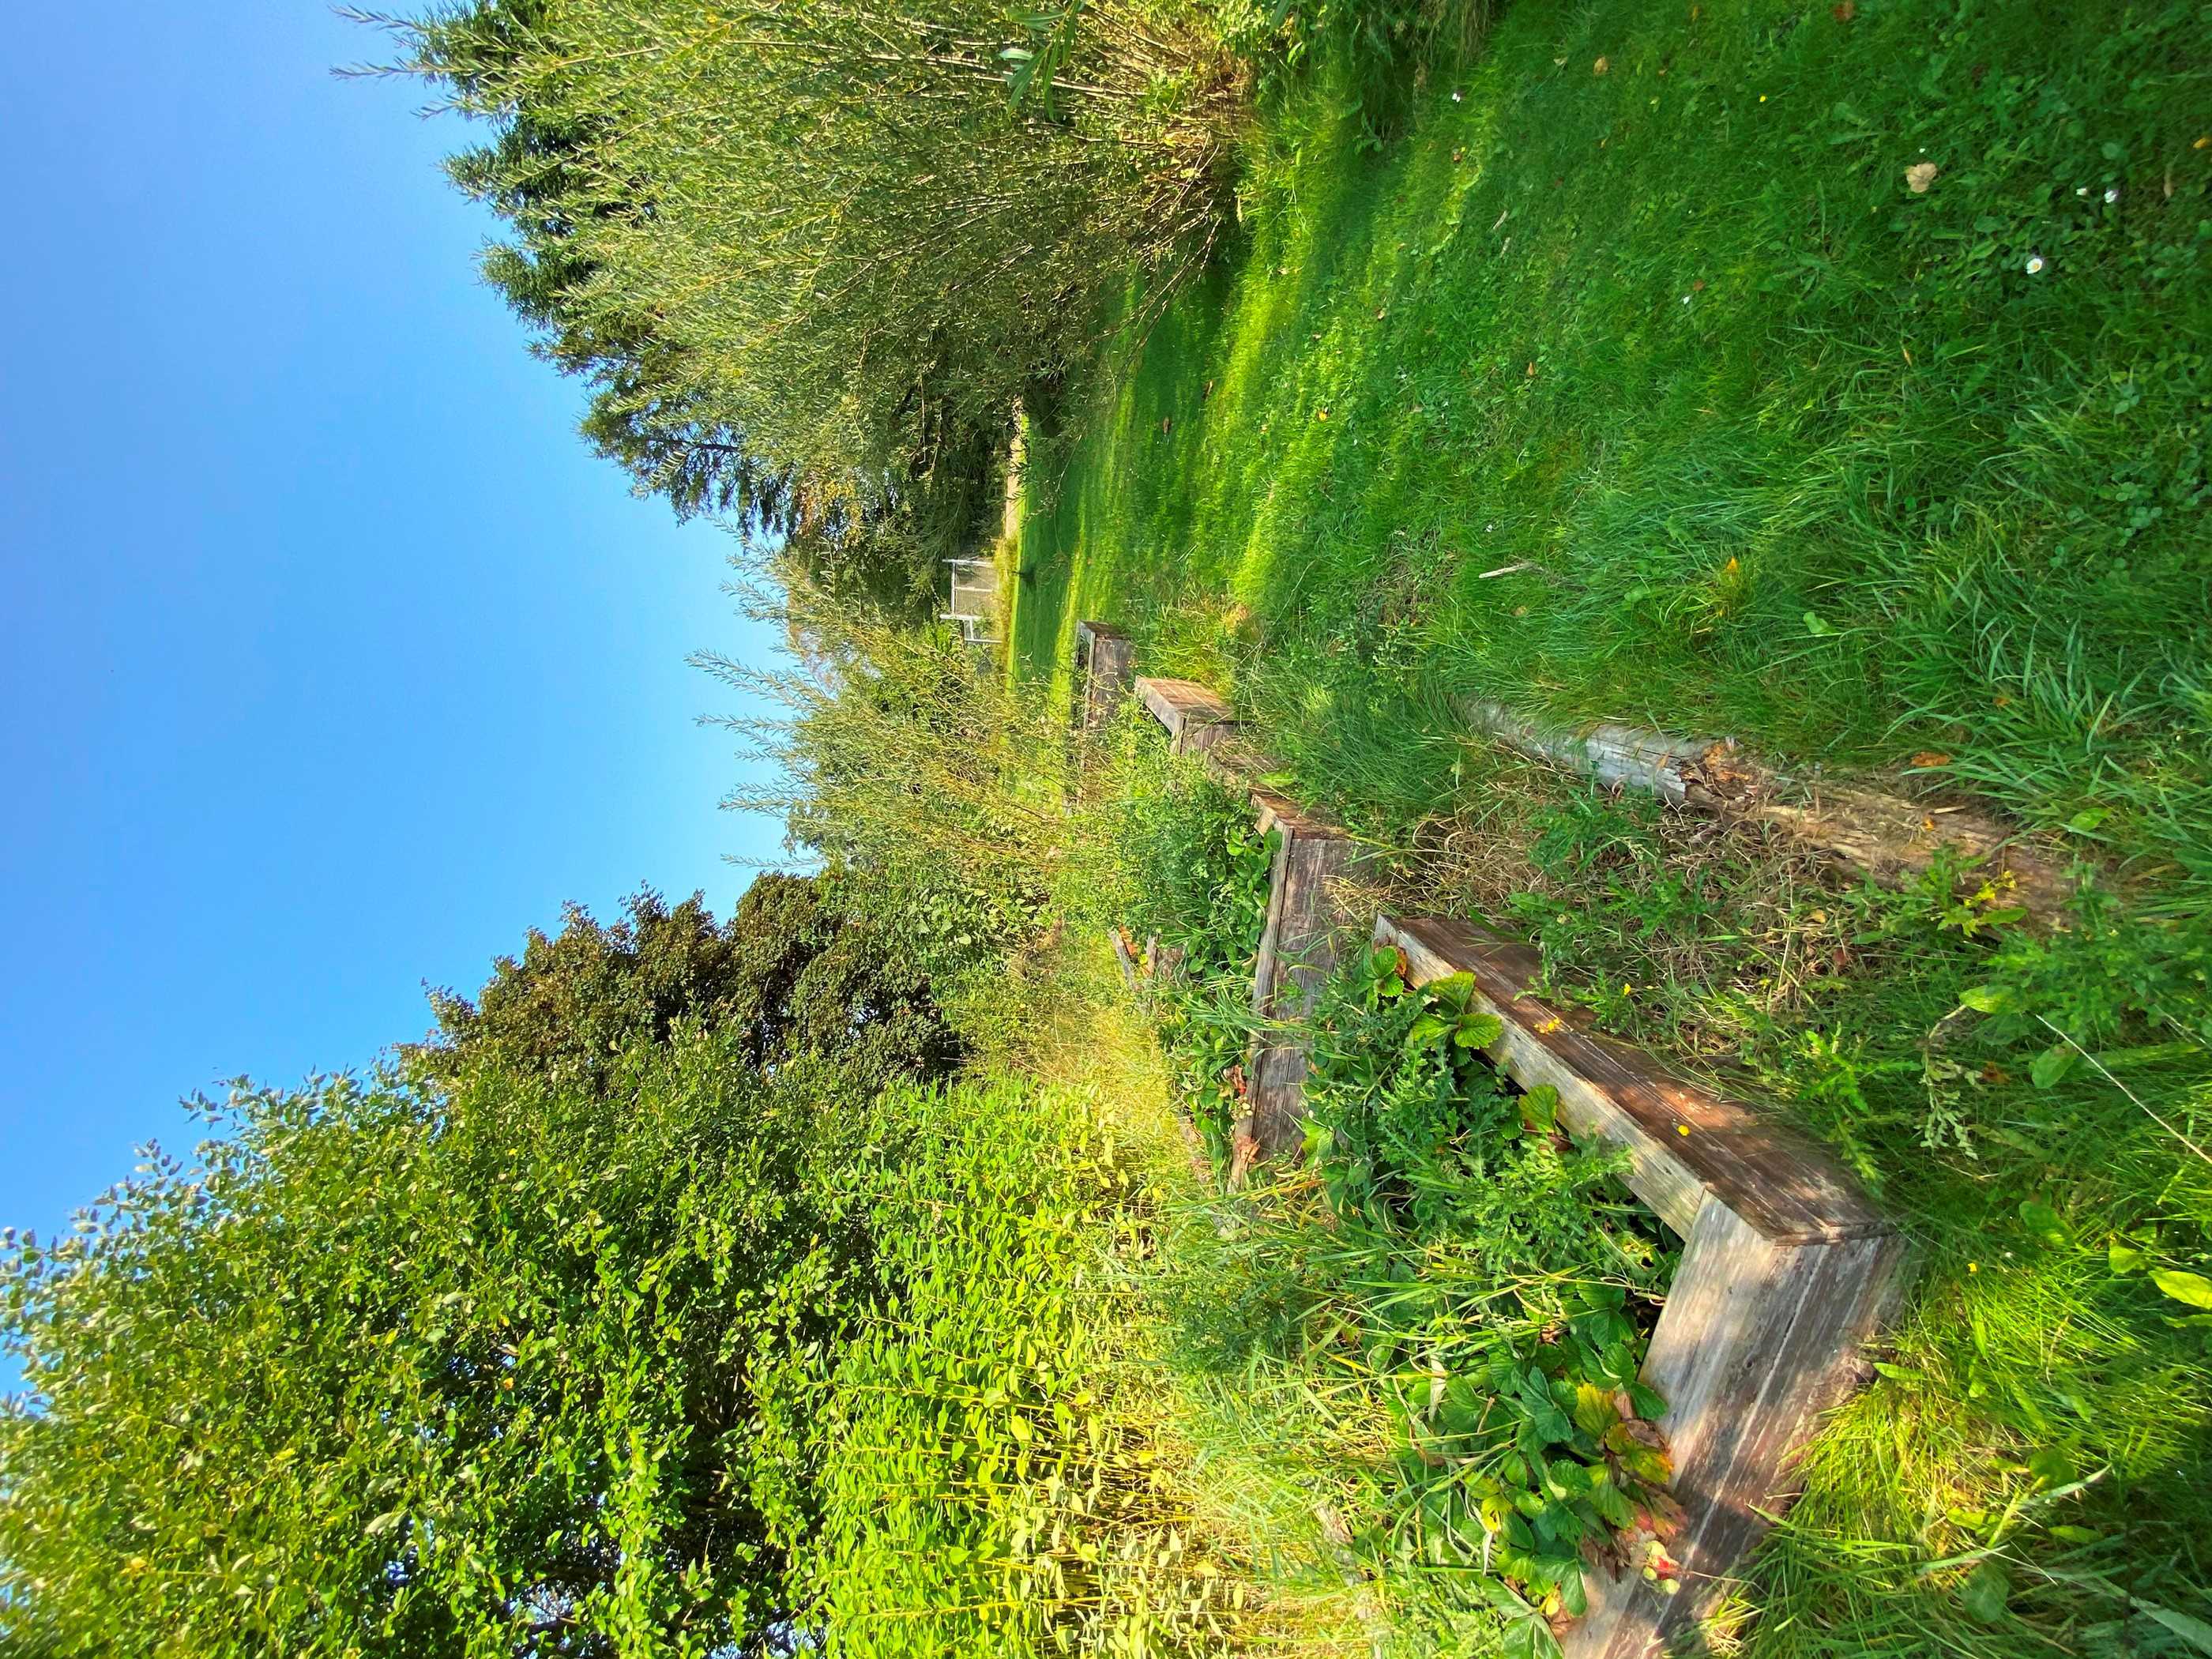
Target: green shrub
988,1486
1183,874
1498,1261
396,1372
1433,1332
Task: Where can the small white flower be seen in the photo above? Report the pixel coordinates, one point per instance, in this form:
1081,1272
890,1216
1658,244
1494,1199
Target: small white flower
2034,263
2113,194
2081,189
1459,97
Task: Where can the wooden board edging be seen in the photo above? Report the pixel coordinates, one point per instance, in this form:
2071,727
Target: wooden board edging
1196,720
1895,840
1305,927
1787,1270
1105,664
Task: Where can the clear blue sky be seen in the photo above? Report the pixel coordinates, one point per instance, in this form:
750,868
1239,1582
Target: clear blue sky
330,658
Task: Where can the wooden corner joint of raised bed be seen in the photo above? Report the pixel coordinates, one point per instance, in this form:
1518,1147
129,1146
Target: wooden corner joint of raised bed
1196,718
1787,1270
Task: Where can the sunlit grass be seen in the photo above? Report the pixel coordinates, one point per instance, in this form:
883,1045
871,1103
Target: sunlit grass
1656,393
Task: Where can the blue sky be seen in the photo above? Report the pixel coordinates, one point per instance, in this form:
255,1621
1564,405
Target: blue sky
330,658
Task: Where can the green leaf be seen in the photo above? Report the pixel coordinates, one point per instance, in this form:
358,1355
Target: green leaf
1612,1504
2083,822
1551,1422
2052,1065
2124,1258
1479,1031
1573,1596
1984,1591
1817,626
2042,1221
2195,1631
1540,1108
2194,1289
2051,1467
1530,1637
1989,998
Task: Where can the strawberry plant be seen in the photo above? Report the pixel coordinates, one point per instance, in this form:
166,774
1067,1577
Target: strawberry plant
1506,1288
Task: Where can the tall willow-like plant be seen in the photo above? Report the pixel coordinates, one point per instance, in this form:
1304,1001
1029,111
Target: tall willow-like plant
854,230
894,753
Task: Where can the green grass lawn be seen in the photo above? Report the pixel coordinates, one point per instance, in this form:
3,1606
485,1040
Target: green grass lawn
1634,379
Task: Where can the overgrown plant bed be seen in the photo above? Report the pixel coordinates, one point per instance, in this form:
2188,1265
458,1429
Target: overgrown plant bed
1527,1282
1788,1267
1192,872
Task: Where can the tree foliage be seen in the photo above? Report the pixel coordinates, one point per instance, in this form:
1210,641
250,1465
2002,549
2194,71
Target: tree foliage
398,1372
488,1353
810,254
790,973
934,788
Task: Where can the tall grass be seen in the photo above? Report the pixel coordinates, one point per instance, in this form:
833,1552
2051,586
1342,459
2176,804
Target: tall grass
1637,381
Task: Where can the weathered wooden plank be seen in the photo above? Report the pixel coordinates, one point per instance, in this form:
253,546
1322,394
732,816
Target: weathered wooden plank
1273,1126
1787,1270
1892,839
1757,1340
1683,1140
1312,925
1298,947
1896,841
1611,754
1105,666
1195,717
1303,924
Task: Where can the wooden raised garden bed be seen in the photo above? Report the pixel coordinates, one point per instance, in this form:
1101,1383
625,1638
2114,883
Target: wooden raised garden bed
1303,928
1787,1267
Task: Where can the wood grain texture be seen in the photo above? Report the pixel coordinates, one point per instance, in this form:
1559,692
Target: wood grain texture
1684,1141
1305,929
1611,754
1105,668
1312,927
1196,720
1787,1269
1273,1124
1757,1340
